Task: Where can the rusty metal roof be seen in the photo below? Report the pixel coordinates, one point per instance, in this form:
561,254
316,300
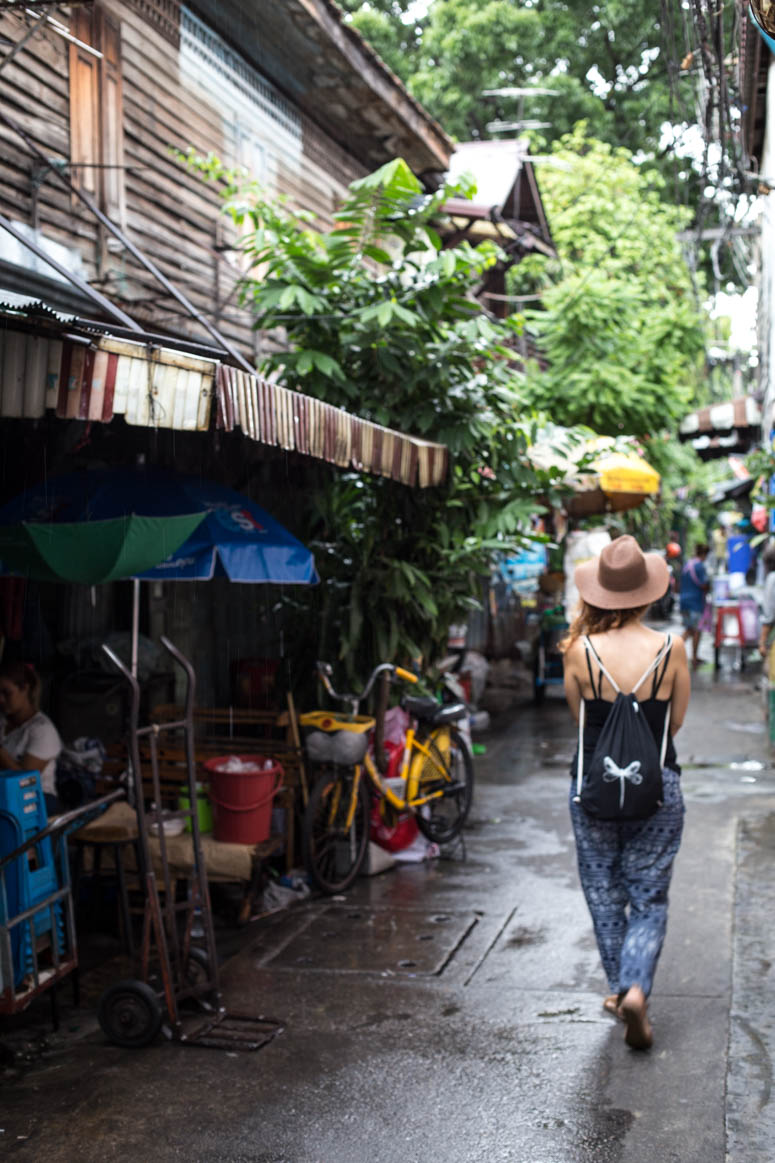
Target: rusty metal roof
507,205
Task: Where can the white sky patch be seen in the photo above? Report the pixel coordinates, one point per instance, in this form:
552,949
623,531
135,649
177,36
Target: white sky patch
416,11
741,310
597,82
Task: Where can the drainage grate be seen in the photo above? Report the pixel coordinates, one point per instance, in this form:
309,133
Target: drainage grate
376,941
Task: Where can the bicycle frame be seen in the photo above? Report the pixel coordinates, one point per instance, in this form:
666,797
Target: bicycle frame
415,749
411,764
427,765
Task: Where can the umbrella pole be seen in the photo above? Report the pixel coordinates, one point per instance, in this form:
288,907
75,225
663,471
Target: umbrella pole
135,623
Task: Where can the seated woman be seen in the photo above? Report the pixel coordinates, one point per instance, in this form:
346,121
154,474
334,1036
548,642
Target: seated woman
29,741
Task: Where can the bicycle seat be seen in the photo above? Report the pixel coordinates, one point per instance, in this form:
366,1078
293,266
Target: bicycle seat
431,712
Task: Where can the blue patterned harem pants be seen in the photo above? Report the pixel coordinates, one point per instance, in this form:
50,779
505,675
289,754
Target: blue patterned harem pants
625,868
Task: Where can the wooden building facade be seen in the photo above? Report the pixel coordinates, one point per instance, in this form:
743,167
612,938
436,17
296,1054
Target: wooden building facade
134,346
101,94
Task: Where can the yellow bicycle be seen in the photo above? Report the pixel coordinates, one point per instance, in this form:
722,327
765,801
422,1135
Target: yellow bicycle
434,777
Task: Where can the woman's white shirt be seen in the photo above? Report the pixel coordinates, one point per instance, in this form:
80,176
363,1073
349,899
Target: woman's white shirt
39,737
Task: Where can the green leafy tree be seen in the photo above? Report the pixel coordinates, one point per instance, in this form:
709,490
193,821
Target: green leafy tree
613,64
377,318
621,331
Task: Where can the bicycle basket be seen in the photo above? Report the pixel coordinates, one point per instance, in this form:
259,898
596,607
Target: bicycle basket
342,747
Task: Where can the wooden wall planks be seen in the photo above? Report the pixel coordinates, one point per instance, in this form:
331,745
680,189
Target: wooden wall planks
170,213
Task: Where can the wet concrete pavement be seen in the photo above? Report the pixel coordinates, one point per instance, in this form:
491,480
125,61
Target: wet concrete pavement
452,1011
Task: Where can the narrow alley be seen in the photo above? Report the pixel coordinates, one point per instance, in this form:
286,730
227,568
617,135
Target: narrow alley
453,1010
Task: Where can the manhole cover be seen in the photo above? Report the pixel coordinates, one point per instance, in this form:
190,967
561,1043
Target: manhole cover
377,941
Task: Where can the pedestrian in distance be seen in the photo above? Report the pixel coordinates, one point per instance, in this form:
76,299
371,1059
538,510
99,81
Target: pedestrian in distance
768,599
627,686
695,584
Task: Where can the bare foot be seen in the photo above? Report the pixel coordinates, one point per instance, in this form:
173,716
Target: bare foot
611,1004
634,1011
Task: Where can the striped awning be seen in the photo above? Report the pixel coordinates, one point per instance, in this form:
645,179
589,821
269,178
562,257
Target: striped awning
275,415
722,429
743,412
97,377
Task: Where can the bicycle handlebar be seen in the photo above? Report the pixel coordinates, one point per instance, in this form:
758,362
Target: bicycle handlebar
325,671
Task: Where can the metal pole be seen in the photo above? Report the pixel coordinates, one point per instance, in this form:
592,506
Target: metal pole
95,296
21,43
135,623
130,246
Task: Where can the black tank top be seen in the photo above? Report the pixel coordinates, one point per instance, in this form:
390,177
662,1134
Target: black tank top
597,710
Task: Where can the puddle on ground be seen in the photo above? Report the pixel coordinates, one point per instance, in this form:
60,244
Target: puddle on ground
698,764
748,728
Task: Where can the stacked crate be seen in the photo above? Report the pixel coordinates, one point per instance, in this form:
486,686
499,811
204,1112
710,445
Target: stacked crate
33,877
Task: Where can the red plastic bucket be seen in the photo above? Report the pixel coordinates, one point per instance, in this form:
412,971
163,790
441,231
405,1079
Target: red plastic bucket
242,800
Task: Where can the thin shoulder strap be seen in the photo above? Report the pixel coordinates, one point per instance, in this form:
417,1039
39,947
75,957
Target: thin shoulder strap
666,645
610,678
597,691
660,674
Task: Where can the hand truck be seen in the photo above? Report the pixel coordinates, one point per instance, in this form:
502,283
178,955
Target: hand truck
132,1012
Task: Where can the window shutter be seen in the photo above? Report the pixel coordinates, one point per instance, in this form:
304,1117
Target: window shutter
84,105
96,114
111,122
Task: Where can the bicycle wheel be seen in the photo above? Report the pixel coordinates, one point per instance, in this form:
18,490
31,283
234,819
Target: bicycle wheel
334,852
450,770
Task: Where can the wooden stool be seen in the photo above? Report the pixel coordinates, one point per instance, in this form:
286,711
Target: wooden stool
111,833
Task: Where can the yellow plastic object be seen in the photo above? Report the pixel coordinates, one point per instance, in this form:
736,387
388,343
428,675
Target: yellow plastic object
626,472
406,674
328,721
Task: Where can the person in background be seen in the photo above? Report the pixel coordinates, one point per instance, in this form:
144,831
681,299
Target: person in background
29,741
694,590
673,553
768,600
719,539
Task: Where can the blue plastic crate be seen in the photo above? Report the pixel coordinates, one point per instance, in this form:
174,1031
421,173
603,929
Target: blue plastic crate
21,794
33,877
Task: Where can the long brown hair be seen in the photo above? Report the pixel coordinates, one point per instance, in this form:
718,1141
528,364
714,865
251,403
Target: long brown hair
593,620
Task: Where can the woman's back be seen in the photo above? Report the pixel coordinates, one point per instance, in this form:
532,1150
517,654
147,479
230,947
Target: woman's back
626,653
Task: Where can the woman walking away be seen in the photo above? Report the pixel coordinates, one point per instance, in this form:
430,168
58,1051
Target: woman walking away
628,688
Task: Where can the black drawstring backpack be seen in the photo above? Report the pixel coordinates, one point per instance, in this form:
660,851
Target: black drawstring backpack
624,776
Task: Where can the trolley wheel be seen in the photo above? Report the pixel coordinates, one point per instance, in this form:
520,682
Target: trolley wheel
130,1014
199,972
198,966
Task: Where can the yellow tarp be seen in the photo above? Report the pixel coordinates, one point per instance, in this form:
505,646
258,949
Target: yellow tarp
626,472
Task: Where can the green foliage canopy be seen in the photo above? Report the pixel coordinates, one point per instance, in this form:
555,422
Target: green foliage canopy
378,319
606,63
621,328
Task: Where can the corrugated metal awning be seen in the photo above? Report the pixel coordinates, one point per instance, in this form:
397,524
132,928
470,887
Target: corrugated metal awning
275,415
96,377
